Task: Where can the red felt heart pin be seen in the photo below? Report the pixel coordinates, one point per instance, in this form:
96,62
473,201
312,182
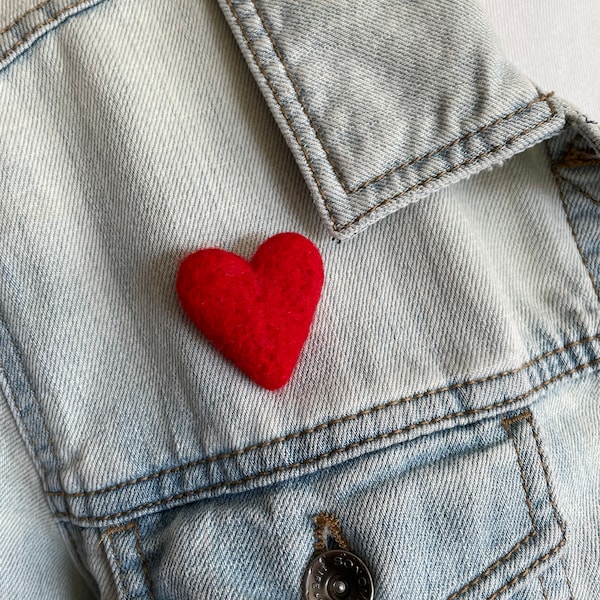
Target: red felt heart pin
256,313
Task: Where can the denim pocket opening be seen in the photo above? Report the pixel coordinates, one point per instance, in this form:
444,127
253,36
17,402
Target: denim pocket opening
266,535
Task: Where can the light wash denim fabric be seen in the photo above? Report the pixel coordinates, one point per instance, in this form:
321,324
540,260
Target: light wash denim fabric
445,406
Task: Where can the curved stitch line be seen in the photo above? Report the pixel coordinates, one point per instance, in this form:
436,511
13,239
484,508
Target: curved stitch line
23,15
31,32
336,226
320,457
328,424
526,415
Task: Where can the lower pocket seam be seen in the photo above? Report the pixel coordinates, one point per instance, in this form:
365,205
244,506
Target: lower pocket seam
123,574
507,423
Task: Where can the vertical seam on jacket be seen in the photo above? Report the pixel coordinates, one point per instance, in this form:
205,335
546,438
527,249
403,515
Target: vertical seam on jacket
108,534
532,533
111,549
284,113
301,100
138,546
506,423
74,546
23,421
560,187
527,416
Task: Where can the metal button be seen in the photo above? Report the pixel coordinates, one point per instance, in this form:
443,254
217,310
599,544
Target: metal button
338,575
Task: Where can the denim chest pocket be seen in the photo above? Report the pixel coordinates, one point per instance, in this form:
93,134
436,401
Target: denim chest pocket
462,514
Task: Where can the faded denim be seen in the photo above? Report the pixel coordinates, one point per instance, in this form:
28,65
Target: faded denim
445,405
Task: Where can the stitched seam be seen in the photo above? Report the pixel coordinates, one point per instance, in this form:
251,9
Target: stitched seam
31,32
283,112
301,100
325,455
466,163
109,534
447,146
405,164
74,546
337,227
557,517
408,163
542,587
22,16
538,443
121,575
576,158
529,569
526,415
37,452
506,423
563,199
8,391
579,189
138,547
332,423
501,560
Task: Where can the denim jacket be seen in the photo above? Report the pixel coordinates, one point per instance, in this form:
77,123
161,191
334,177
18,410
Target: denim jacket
442,422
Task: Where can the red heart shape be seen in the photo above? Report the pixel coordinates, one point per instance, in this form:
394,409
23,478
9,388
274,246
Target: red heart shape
256,313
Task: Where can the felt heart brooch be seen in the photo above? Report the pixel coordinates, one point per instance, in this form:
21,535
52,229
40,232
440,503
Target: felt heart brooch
257,313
